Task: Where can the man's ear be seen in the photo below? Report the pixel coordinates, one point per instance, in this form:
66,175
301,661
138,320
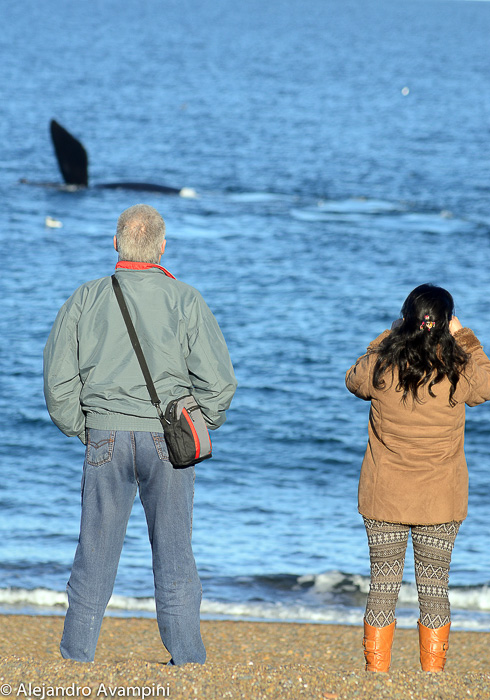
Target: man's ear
115,243
163,246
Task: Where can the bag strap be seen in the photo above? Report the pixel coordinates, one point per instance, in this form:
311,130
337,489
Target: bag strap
137,347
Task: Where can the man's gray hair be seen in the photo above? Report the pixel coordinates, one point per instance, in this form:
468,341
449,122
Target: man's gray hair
140,234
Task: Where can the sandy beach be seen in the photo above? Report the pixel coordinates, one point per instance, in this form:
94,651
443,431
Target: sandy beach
245,660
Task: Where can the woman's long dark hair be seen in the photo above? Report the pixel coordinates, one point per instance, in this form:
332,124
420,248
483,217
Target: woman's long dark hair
421,348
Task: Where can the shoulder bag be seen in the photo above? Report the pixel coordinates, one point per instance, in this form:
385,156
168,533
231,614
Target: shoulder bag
183,424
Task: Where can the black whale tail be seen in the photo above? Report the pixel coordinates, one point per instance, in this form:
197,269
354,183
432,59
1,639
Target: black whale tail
73,163
71,155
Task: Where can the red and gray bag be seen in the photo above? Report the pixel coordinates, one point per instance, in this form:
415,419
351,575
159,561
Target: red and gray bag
186,433
185,430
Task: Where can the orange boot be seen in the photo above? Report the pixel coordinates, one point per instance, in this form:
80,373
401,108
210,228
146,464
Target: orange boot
377,646
433,647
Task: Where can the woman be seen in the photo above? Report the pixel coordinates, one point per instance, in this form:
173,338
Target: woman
418,377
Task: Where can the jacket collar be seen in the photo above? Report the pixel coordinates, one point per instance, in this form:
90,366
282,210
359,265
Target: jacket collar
128,265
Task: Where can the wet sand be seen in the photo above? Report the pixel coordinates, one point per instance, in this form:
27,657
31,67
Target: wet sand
250,660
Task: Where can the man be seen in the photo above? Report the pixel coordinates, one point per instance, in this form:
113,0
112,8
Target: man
94,389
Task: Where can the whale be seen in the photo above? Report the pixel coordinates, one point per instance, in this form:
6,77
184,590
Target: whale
73,163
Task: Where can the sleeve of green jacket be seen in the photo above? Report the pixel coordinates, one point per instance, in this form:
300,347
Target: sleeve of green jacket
62,383
209,365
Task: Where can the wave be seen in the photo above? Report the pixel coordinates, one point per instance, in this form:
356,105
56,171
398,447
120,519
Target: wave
345,208
330,598
337,584
258,197
46,600
388,216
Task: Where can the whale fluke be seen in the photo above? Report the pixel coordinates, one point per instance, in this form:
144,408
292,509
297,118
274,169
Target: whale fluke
71,156
73,163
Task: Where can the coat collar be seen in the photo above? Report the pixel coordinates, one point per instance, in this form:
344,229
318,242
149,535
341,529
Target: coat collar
129,265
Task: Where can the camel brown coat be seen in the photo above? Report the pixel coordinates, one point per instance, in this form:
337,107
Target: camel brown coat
414,469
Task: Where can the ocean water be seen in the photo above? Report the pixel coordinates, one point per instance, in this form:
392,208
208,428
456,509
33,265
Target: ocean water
340,152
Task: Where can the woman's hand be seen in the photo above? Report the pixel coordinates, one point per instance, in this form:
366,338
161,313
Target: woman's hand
454,325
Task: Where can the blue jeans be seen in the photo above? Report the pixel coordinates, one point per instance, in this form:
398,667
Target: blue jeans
117,464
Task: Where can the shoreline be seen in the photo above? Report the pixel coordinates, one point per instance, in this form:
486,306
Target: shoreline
404,621
245,660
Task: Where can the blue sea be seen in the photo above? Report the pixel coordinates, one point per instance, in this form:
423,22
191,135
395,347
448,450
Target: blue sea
340,154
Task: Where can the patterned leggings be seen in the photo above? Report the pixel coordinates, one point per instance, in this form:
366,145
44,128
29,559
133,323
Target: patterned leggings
432,547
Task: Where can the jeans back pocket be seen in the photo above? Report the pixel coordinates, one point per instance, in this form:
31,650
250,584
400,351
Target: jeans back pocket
100,446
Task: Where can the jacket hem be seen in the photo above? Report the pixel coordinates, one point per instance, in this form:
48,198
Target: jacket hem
120,421
413,522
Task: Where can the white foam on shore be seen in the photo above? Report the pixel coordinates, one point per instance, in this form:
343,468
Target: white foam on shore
474,616
336,582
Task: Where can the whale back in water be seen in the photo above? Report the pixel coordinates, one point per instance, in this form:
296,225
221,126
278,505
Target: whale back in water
73,163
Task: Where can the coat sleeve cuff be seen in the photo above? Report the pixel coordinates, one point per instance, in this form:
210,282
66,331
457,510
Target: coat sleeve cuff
374,344
467,339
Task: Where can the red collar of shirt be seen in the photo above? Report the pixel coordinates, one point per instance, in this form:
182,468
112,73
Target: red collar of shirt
128,265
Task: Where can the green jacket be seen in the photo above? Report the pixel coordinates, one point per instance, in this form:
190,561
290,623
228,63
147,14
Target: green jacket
92,378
